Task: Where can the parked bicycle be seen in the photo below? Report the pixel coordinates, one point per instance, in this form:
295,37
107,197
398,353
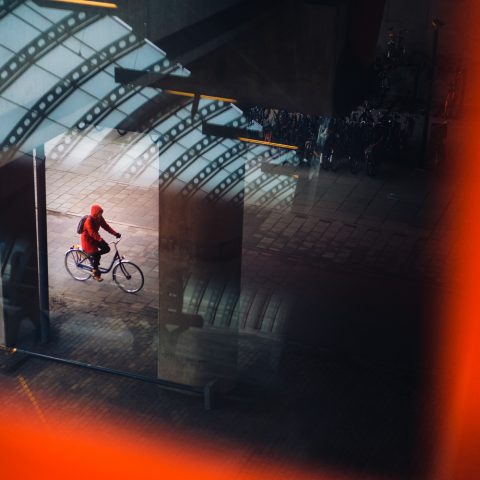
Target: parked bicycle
127,275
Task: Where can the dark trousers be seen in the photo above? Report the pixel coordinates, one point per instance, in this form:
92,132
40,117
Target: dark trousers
103,248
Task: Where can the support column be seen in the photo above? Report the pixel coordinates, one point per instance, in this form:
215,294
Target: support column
39,161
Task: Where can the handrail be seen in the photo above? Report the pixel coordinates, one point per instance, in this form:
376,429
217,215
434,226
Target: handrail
205,392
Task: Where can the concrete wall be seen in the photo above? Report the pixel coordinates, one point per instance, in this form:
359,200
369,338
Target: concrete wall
160,19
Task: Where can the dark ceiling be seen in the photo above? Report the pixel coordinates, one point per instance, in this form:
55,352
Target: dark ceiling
309,56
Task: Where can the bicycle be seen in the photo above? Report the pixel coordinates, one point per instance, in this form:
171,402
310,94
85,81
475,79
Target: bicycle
126,275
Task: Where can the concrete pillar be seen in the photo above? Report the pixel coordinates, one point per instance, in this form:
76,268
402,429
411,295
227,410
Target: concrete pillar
199,239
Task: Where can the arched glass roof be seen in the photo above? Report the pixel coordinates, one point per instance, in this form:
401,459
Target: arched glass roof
57,88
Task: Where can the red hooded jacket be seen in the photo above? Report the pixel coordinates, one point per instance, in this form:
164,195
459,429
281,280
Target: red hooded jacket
90,236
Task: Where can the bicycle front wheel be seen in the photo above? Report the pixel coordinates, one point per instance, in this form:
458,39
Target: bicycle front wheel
77,264
128,277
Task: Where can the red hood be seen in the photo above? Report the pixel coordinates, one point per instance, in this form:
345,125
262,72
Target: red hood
95,209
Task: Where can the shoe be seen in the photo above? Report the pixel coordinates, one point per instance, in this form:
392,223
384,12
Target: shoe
96,275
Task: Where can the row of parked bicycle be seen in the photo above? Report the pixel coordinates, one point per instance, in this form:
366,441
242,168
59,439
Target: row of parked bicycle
364,139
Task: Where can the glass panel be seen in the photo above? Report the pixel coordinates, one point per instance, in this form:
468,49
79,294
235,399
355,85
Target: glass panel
240,162
150,92
5,55
132,104
60,61
73,108
78,46
99,85
15,33
141,146
191,138
170,155
214,152
47,129
30,86
196,165
226,117
101,33
167,124
184,113
113,119
10,114
215,181
54,14
32,17
141,58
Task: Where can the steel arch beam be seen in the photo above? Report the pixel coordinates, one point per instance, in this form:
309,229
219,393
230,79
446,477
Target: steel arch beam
65,87
41,45
188,157
8,6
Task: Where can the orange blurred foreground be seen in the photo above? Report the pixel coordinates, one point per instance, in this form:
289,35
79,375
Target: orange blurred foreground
459,357
31,449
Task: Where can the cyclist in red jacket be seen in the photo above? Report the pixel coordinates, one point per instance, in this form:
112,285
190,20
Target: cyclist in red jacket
92,242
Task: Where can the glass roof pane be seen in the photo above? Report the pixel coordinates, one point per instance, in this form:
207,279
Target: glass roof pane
140,147
169,156
230,143
150,92
81,48
259,192
33,18
191,139
30,86
15,33
102,32
100,85
132,103
60,61
237,188
10,114
231,192
181,72
113,119
47,129
240,162
184,112
54,14
203,103
215,181
141,58
193,169
256,151
284,156
110,69
73,108
214,152
167,124
5,55
252,174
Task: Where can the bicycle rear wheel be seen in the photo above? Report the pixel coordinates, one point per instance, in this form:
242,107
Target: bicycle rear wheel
128,277
77,264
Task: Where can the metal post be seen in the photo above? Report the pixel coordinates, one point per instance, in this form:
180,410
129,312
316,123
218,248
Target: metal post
42,250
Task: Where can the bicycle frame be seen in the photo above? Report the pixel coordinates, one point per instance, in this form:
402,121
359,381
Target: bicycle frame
116,258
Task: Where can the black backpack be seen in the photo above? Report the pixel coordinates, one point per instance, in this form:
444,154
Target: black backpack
81,224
